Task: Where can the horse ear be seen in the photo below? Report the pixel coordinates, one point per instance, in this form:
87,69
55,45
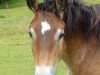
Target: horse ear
32,4
61,4
58,3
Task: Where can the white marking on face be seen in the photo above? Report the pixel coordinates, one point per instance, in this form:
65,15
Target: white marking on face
32,31
45,26
44,70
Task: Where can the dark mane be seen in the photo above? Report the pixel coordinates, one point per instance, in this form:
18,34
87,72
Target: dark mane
46,5
79,16
49,5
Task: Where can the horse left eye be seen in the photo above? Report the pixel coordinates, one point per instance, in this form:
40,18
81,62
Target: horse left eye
61,35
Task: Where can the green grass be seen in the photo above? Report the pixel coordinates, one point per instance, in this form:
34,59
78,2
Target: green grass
15,45
92,2
13,3
15,53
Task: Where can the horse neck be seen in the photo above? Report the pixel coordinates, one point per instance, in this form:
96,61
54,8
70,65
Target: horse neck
74,31
76,42
78,50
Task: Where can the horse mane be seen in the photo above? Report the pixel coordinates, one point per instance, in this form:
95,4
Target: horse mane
77,15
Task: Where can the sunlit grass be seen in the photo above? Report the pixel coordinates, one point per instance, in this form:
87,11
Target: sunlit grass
15,53
91,2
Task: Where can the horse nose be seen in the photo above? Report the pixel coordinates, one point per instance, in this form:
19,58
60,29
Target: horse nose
44,70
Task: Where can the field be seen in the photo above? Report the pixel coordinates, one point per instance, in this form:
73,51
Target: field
15,44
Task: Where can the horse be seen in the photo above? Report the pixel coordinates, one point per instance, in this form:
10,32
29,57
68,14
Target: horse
67,30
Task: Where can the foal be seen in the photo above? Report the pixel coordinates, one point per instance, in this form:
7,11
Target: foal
72,35
46,31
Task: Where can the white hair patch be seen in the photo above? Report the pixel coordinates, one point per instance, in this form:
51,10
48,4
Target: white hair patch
45,26
44,70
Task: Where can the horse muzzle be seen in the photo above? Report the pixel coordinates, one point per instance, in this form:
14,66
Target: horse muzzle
44,70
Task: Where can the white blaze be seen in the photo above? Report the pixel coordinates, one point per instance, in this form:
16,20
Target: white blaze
44,70
45,26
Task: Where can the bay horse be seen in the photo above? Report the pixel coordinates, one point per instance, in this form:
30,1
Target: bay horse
67,30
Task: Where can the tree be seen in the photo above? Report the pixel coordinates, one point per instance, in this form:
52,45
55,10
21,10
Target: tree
5,2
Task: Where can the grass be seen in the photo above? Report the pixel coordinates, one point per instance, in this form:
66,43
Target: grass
15,53
15,45
92,2
13,3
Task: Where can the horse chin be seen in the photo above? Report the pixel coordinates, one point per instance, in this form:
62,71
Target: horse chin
44,70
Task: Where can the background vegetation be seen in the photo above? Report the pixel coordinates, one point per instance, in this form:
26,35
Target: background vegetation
12,3
15,45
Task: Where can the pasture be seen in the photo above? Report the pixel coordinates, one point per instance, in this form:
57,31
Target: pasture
15,44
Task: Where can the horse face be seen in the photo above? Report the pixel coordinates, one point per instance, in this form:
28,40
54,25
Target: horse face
46,31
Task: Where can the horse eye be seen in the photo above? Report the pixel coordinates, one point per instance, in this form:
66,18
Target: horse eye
30,34
61,35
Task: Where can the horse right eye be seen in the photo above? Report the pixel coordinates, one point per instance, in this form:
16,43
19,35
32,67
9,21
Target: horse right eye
30,34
